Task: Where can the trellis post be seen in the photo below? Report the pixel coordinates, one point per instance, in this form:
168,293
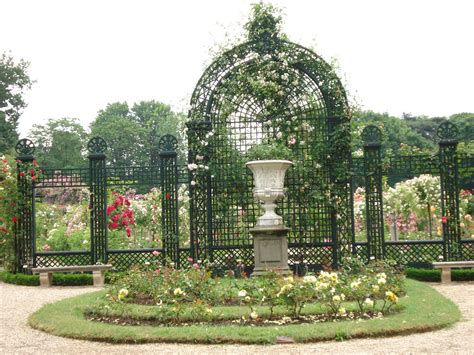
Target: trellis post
24,229
98,200
371,136
449,180
169,202
199,191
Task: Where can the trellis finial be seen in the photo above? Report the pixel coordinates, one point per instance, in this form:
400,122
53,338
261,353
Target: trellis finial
97,145
371,135
447,131
167,143
25,147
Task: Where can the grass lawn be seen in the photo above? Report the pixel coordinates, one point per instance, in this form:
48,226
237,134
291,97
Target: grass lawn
424,309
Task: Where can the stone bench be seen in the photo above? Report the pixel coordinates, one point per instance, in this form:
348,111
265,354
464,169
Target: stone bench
446,267
46,273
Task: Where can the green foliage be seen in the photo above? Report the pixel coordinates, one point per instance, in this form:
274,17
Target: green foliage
270,151
395,132
66,318
434,275
132,134
59,279
19,279
8,203
374,288
60,143
264,22
14,82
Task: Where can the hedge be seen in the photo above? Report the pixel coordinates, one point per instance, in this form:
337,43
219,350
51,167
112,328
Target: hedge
427,275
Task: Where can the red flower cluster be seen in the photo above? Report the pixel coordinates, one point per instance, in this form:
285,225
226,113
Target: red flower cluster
120,215
32,172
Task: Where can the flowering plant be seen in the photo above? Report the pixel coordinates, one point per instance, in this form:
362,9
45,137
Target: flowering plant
120,214
269,151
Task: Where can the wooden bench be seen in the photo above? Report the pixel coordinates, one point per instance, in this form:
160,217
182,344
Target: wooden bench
446,267
46,273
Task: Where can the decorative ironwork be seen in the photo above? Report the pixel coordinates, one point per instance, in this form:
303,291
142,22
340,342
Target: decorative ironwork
449,178
406,252
98,204
447,131
63,258
371,135
169,202
168,143
25,147
97,145
223,208
24,229
373,192
123,260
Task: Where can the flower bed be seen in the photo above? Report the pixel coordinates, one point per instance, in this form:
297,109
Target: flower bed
170,296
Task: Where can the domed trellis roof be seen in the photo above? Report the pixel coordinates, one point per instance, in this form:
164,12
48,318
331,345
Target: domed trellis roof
314,84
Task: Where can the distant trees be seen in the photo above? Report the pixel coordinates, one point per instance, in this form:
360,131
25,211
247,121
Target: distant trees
132,134
412,132
14,81
59,143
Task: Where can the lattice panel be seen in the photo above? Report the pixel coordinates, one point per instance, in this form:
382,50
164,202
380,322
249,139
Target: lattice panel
133,175
123,260
183,255
361,250
311,255
467,250
408,252
64,178
228,258
24,226
56,259
98,204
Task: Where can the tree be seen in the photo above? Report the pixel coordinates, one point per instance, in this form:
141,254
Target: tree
14,81
465,123
395,132
60,143
132,134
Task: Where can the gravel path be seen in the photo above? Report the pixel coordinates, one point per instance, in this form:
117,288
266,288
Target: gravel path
17,302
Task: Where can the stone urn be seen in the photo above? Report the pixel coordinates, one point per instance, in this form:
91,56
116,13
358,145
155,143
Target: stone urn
269,178
269,234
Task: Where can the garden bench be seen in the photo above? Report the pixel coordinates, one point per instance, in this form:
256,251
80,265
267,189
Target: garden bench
446,267
46,273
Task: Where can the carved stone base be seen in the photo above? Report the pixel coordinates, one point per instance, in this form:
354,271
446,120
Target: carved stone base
270,245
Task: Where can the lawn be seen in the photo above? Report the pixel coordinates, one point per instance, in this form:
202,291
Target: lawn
422,309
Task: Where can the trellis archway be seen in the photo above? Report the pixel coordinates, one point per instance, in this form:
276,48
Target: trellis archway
270,89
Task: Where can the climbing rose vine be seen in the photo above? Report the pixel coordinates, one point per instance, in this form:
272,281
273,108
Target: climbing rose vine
120,215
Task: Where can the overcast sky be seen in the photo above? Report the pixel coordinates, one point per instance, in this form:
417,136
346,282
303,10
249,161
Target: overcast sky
394,56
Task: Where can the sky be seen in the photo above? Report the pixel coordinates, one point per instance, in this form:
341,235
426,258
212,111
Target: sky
397,56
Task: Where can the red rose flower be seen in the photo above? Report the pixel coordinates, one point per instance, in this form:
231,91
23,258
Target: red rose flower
33,178
14,219
32,172
168,196
110,209
113,225
128,231
22,173
115,217
35,163
444,219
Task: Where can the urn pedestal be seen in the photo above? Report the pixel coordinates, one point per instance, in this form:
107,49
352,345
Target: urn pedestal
269,234
270,246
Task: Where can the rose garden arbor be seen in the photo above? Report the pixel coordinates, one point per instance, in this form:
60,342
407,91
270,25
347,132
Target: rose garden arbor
267,89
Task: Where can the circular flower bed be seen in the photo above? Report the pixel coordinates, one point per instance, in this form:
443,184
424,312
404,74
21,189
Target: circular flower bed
169,296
